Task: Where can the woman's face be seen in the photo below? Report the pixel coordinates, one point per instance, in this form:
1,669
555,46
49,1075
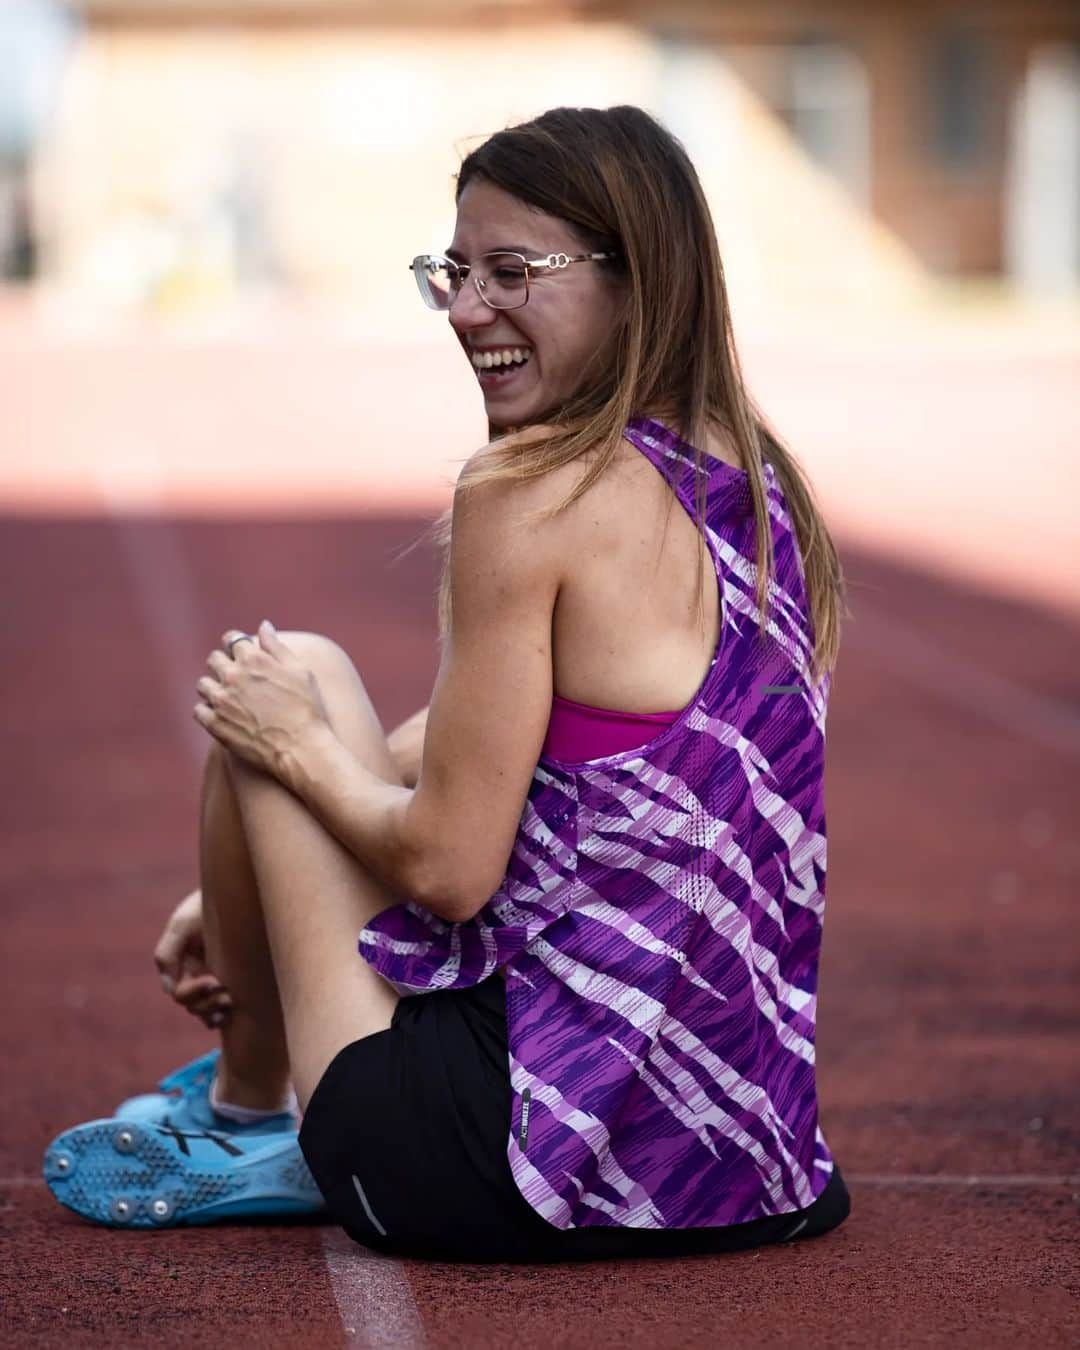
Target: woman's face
569,316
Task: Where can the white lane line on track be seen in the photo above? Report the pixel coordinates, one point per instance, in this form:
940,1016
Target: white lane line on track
959,1179
1021,1179
165,596
372,1293
911,655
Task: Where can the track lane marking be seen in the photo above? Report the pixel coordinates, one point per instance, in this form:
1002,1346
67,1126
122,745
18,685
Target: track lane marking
856,1178
373,1295
372,1291
959,1179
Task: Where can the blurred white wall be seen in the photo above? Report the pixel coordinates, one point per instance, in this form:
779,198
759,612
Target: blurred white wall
185,163
1042,217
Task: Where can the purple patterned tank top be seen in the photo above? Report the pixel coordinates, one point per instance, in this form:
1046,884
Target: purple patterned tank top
661,921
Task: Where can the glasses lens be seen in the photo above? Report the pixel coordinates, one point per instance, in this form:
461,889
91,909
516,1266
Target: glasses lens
502,278
433,280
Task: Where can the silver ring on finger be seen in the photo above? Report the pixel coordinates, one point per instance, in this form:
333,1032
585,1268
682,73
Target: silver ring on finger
243,637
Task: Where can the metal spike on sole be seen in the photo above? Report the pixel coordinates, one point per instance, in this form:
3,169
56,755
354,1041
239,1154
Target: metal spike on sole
125,1140
127,1175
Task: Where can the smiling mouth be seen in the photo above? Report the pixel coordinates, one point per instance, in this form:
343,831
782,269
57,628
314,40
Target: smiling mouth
497,368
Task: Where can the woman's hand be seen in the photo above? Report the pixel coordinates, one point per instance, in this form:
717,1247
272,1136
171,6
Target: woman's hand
180,957
261,702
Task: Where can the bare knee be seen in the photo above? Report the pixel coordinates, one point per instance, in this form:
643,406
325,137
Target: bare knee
314,649
351,711
318,653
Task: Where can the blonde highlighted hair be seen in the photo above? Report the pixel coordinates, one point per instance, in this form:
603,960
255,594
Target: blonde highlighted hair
624,183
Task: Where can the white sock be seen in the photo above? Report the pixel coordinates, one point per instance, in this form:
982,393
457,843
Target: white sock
246,1115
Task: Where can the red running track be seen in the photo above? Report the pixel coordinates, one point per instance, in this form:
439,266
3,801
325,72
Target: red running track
948,996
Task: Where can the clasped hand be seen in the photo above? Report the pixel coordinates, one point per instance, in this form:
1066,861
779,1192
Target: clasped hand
261,702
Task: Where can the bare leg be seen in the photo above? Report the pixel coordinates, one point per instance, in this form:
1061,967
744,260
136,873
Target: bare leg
283,903
314,895
254,1066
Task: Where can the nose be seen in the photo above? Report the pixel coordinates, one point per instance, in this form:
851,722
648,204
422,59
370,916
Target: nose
468,311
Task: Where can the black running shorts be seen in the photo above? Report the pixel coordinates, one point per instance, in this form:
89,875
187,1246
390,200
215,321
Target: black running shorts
406,1136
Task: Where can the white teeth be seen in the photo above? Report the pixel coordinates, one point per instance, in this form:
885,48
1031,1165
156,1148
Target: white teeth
506,357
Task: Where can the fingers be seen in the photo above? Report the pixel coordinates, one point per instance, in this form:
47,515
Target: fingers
193,989
213,1006
266,638
181,943
237,652
173,948
205,997
168,969
272,643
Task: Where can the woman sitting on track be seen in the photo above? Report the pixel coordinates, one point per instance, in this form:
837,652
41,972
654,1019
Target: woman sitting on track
581,1021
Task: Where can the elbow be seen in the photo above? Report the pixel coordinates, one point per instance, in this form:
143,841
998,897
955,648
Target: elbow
447,891
449,876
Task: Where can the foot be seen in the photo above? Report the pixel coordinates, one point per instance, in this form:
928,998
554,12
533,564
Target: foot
129,1174
184,1102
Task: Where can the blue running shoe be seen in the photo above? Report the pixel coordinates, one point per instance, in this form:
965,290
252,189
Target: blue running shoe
184,1101
127,1174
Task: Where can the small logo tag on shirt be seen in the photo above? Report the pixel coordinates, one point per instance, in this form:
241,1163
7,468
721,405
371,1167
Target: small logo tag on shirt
523,1133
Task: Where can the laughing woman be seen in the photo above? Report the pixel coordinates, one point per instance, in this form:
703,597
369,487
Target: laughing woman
587,883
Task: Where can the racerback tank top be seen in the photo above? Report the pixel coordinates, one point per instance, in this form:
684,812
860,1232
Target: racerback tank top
661,919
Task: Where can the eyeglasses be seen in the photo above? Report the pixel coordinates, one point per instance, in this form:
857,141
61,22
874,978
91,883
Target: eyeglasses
502,279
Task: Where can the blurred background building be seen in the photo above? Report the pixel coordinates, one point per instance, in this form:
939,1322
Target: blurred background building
207,210
159,153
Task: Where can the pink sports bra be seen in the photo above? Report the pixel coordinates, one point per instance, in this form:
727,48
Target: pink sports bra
579,731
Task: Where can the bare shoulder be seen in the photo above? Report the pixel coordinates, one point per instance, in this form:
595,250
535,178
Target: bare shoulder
508,505
511,528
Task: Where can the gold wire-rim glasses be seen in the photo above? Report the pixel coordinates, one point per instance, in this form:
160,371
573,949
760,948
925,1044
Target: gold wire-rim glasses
556,261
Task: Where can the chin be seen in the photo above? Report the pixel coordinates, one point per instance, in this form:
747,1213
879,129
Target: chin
508,415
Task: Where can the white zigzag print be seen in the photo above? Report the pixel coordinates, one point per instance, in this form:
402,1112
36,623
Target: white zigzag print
660,921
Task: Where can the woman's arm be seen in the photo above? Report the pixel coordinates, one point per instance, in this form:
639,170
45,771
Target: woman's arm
446,842
406,743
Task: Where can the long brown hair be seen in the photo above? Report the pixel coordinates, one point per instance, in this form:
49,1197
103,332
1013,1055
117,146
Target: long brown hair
624,183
